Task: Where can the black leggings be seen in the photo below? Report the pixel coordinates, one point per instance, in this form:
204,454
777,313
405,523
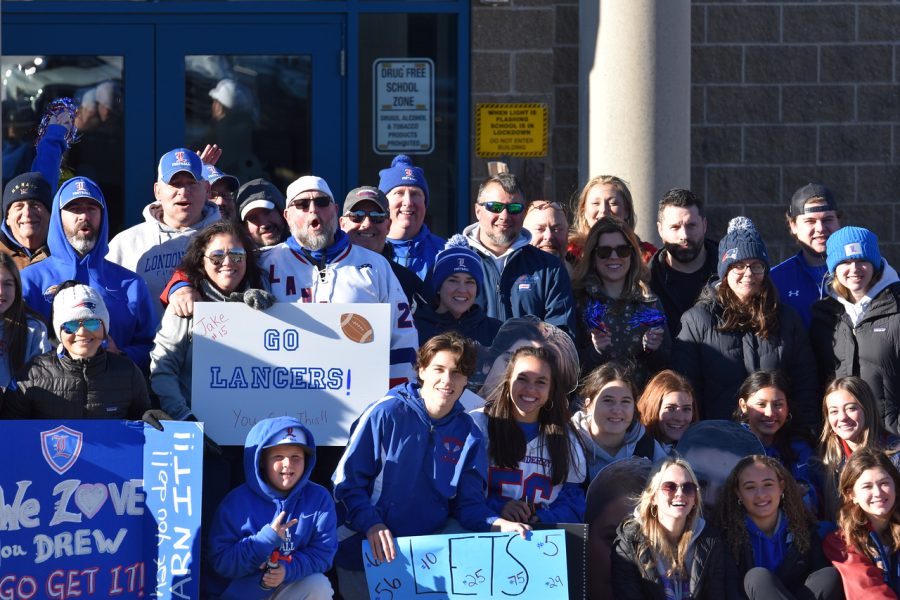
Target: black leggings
824,584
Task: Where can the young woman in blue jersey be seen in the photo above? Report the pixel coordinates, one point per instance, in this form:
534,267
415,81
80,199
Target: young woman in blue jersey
536,461
775,550
763,408
852,422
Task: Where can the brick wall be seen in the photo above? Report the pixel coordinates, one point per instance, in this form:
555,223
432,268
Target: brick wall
786,92
527,51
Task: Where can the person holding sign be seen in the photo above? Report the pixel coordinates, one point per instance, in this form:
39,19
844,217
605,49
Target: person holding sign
414,458
218,263
274,536
80,379
537,462
667,550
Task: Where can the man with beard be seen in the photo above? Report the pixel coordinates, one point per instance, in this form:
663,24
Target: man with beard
680,269
519,279
261,210
812,216
317,263
78,244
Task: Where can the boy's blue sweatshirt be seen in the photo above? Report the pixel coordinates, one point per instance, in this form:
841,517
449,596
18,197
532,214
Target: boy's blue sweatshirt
403,469
241,537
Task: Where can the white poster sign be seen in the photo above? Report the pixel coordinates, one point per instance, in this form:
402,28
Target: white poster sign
404,105
320,363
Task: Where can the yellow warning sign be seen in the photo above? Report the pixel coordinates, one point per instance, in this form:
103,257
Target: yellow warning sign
511,130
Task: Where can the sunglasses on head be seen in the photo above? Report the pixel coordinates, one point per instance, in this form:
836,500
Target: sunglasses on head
358,216
622,251
513,208
543,204
669,488
303,203
217,257
89,324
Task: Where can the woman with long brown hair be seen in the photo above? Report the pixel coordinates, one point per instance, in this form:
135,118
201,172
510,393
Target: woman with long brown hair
739,326
771,536
864,547
619,318
667,550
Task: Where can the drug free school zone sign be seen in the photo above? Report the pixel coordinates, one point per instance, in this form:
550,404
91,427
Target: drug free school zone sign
320,363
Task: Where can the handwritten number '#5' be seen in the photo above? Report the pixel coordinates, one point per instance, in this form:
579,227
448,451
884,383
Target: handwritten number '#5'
548,543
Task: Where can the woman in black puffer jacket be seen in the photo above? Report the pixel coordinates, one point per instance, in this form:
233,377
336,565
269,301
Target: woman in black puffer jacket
739,326
667,550
857,330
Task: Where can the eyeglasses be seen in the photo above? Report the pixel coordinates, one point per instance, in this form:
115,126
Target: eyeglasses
755,268
223,195
89,324
513,208
303,203
670,488
236,255
358,216
622,251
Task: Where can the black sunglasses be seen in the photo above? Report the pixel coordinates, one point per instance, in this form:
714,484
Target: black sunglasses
621,251
303,203
358,216
514,208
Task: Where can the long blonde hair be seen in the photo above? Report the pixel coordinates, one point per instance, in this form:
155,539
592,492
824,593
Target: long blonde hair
655,543
580,226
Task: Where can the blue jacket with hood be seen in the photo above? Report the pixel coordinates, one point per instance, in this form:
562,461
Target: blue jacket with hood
241,537
403,468
419,253
132,316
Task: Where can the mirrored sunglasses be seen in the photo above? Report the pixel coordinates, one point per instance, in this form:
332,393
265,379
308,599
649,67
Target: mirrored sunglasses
235,255
358,216
514,208
89,324
303,203
622,251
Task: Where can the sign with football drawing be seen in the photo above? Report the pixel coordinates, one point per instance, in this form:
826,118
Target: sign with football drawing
320,363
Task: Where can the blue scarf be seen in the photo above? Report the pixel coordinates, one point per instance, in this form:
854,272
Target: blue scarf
887,562
320,258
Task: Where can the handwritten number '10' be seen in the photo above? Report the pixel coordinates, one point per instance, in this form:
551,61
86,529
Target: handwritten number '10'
430,559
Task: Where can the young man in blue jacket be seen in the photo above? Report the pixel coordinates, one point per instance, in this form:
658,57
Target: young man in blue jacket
414,458
274,536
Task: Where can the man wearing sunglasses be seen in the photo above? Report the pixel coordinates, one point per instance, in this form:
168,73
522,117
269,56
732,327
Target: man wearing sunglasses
318,263
414,246
366,222
154,248
78,244
519,279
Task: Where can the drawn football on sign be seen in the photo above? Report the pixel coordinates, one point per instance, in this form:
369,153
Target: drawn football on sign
357,328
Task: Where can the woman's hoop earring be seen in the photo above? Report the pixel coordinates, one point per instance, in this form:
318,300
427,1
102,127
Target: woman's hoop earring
653,510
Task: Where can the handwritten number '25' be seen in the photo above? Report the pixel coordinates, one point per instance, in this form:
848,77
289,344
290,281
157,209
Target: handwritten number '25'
473,579
403,321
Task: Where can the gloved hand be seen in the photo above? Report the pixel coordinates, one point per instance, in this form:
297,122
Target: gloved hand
153,417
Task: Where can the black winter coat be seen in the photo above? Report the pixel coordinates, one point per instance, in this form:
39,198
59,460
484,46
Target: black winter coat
794,569
474,324
106,386
631,579
871,350
717,362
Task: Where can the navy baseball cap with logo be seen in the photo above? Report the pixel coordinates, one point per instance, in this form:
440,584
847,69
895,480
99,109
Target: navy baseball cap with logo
212,175
78,188
178,160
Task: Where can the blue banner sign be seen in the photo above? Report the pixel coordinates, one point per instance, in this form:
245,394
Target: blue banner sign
472,566
99,509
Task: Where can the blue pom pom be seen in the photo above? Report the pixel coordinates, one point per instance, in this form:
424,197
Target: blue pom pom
57,107
647,317
402,160
595,316
457,240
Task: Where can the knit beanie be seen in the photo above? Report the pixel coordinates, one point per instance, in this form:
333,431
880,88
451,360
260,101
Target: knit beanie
852,243
456,257
27,186
741,242
402,172
76,303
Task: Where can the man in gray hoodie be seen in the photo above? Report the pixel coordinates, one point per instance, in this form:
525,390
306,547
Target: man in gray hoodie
153,249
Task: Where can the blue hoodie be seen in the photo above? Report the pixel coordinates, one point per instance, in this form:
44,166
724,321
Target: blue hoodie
241,537
419,253
402,468
132,317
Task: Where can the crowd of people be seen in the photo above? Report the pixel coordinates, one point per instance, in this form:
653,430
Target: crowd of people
531,365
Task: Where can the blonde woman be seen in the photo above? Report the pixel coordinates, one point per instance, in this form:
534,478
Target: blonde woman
667,550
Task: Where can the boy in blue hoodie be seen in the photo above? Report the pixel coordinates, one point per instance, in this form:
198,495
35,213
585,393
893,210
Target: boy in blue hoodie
277,517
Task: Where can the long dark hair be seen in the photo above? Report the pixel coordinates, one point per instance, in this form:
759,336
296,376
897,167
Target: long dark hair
506,441
192,263
637,285
760,380
758,315
15,319
731,512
